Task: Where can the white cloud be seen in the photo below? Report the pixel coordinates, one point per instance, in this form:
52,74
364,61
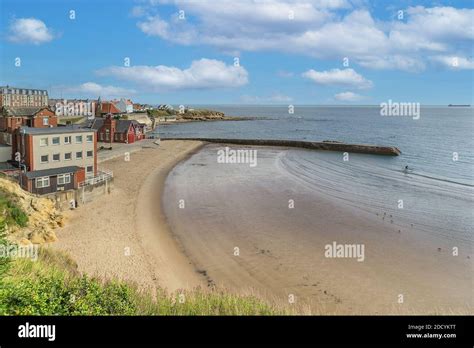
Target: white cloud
399,62
319,29
348,97
202,74
436,25
275,98
337,77
94,90
30,30
454,62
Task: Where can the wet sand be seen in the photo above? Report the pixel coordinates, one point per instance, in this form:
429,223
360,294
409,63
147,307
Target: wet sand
237,228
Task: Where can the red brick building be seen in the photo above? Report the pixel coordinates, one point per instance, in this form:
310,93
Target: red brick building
118,131
12,118
36,117
105,108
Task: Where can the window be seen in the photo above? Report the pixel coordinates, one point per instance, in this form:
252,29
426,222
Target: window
64,179
101,136
44,142
42,182
107,134
45,121
90,138
78,139
55,141
90,169
78,154
67,140
68,156
56,157
44,159
90,153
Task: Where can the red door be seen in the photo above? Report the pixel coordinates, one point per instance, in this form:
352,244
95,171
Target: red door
131,137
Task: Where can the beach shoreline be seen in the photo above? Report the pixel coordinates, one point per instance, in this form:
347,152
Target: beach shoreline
162,256
281,250
124,235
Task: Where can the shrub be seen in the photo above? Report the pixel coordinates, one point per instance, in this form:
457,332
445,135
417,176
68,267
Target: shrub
11,212
18,215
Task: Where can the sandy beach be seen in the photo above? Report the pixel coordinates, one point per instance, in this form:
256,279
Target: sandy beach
139,233
123,234
407,267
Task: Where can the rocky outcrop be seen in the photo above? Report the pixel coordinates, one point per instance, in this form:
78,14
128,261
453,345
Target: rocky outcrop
43,217
201,115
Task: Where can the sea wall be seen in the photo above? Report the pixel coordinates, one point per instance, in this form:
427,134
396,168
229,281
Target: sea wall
324,145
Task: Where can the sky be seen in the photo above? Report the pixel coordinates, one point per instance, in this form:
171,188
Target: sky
242,51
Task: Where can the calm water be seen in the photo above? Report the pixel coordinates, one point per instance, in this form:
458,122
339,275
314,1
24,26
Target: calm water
409,221
427,144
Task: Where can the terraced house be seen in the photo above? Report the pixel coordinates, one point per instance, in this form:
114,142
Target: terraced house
55,159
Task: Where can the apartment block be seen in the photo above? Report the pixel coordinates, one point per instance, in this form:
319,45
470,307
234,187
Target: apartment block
22,97
56,158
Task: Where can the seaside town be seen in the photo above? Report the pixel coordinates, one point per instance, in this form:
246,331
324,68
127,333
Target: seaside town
53,147
340,185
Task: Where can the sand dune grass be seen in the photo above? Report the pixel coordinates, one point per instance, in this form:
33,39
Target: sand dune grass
51,285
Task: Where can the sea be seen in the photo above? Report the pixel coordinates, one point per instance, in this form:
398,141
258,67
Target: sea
436,193
439,144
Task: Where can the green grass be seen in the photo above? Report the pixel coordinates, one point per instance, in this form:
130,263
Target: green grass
51,285
161,113
11,212
4,261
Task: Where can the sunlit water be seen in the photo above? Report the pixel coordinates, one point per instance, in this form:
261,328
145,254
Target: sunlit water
436,196
429,144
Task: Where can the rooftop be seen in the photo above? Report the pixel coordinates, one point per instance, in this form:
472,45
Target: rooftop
109,107
52,171
122,126
11,89
23,111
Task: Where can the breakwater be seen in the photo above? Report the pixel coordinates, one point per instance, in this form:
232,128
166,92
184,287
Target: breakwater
323,145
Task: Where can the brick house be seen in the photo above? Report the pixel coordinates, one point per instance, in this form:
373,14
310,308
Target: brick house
37,117
13,118
55,159
118,131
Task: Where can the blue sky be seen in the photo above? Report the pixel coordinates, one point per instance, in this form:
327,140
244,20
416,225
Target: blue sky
290,52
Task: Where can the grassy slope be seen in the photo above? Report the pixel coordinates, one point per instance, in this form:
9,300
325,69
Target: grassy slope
51,285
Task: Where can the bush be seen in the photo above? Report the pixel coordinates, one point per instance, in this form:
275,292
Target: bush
57,294
52,286
18,215
11,212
